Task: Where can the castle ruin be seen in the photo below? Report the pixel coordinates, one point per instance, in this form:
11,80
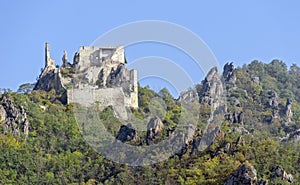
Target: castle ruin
96,75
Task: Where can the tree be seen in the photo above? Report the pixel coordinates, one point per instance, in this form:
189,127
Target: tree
26,88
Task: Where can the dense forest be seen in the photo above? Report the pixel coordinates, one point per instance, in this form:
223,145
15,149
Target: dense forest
259,130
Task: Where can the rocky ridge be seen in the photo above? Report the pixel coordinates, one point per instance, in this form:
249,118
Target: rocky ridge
13,117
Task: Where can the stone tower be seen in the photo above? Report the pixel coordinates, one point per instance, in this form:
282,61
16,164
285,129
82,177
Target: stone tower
97,74
48,60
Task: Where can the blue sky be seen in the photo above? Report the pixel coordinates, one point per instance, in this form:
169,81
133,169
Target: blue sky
238,31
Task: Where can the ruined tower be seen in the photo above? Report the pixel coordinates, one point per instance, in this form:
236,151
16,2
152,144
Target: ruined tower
48,60
97,74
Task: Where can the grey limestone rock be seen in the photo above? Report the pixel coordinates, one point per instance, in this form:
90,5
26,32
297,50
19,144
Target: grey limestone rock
13,117
273,103
288,110
245,174
229,74
279,172
126,133
154,128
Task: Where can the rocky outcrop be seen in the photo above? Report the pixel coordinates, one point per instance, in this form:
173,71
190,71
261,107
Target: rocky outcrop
154,129
229,74
201,143
245,174
2,114
273,103
292,136
65,61
235,117
241,130
50,79
279,172
273,99
262,182
211,95
189,96
126,133
13,117
212,89
288,110
240,141
255,79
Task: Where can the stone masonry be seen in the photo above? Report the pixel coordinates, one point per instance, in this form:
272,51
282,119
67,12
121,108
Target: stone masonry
96,75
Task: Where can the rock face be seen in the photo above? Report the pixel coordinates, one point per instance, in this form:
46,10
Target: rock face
154,128
288,110
235,117
126,133
262,182
201,143
2,114
255,79
65,61
95,72
292,136
13,118
211,95
50,77
273,103
279,172
245,174
189,96
229,74
241,130
212,89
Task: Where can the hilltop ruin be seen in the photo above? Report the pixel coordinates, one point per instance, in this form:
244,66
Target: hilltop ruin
96,75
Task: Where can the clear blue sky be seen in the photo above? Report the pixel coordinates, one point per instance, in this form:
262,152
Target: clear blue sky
238,31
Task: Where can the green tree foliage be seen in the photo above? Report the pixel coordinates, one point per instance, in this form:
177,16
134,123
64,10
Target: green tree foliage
26,88
56,153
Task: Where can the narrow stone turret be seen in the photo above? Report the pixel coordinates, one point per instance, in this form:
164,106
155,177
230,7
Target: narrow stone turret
48,60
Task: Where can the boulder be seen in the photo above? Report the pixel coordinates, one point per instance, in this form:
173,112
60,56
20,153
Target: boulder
154,129
126,133
245,174
279,172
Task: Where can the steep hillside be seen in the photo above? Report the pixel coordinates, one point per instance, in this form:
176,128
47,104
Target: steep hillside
257,142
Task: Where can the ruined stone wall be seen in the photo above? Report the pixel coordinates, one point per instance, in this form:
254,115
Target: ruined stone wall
114,97
89,56
99,75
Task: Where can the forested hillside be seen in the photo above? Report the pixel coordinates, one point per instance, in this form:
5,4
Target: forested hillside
258,143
